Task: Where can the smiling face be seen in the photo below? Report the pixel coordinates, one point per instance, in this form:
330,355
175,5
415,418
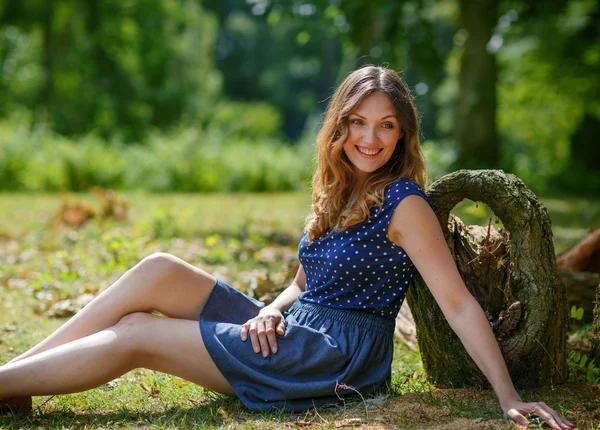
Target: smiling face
373,131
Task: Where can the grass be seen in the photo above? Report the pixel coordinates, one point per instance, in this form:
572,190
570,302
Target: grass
241,238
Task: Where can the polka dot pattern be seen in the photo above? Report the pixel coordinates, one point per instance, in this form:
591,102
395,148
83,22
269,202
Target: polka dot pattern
360,268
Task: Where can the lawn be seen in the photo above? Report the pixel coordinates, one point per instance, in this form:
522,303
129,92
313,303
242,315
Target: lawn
250,241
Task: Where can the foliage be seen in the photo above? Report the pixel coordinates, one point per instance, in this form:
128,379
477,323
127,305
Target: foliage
187,160
282,53
120,73
114,67
581,364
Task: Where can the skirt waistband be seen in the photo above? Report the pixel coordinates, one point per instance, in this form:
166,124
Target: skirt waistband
363,319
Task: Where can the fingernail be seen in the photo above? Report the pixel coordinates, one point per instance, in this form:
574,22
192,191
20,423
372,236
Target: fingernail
265,353
524,423
274,350
256,350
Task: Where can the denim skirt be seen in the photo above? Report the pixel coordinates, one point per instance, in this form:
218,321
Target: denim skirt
322,353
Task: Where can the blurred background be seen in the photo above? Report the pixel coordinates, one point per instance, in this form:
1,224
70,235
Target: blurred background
228,95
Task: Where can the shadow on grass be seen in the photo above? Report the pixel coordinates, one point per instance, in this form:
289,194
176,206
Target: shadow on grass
214,413
217,412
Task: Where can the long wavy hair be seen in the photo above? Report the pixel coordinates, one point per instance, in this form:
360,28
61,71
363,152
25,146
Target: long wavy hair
337,201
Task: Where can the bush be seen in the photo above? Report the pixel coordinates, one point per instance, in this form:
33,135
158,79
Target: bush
188,160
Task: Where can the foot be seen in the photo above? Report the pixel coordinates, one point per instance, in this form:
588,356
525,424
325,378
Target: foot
15,404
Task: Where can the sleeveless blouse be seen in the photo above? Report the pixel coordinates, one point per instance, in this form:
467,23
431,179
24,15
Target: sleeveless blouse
360,268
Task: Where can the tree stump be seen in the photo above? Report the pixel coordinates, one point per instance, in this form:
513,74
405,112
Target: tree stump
511,272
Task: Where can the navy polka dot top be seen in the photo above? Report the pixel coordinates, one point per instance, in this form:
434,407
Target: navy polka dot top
360,268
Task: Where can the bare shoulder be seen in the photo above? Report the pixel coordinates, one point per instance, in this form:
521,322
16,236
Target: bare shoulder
412,217
415,228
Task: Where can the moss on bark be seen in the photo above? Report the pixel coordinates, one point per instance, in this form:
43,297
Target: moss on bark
513,275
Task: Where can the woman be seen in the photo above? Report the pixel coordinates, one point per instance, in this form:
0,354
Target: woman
370,227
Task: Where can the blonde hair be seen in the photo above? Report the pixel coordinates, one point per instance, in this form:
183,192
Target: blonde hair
335,203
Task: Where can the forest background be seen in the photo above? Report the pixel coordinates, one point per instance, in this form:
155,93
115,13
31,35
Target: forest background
179,95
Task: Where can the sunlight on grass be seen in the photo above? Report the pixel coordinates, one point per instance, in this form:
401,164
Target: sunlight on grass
247,239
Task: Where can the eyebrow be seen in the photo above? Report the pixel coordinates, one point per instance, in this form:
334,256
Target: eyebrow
387,116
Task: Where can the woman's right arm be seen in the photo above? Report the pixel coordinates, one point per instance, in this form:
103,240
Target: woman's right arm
270,320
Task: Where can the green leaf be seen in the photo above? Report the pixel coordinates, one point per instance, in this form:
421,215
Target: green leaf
579,314
583,360
573,311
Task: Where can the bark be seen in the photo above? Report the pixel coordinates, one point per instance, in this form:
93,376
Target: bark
475,129
510,271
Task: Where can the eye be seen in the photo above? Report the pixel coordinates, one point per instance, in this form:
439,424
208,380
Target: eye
388,125
356,121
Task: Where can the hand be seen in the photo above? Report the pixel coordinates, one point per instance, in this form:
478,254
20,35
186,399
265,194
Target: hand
515,409
263,328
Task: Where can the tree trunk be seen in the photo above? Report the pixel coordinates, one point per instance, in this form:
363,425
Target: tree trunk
511,272
475,114
48,56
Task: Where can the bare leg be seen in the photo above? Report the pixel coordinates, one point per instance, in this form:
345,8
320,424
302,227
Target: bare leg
159,282
168,345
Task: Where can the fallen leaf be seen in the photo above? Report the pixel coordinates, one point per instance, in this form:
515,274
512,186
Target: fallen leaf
348,422
152,392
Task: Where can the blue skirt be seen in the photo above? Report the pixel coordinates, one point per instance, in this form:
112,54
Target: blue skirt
321,348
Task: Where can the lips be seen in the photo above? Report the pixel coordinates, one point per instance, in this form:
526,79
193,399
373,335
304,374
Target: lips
368,152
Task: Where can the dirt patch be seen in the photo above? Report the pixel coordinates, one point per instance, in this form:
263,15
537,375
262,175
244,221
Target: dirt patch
477,409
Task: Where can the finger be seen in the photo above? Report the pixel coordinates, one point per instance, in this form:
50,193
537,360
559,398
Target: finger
281,328
542,412
262,338
516,416
270,332
565,420
244,332
558,418
254,338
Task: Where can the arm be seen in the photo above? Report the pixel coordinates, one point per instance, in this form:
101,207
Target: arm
269,320
415,228
288,296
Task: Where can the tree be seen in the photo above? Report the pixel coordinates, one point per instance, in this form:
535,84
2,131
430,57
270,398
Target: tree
511,272
111,67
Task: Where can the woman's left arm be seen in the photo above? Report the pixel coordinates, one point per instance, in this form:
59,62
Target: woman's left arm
415,228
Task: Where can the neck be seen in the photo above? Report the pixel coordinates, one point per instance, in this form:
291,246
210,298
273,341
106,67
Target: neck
360,177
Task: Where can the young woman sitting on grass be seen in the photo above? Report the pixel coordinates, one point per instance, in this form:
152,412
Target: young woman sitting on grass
371,226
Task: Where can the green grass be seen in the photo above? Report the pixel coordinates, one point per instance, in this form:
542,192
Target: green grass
238,237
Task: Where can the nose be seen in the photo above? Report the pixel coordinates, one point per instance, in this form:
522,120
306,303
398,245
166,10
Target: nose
369,135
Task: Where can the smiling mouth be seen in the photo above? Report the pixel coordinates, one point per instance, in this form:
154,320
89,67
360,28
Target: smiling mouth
369,153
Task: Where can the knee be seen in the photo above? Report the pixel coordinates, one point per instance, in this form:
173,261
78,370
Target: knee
159,264
134,320
130,329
